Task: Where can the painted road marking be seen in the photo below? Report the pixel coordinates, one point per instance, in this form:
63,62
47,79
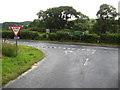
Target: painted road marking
83,49
93,51
65,52
73,48
86,61
69,48
88,50
68,51
64,48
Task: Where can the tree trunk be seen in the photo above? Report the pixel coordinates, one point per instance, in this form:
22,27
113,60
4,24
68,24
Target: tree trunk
101,28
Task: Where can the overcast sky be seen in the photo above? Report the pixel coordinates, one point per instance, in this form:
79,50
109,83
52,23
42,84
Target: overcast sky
25,10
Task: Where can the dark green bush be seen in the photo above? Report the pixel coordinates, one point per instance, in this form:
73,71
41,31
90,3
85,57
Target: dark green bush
43,36
7,34
76,37
59,36
9,49
111,38
37,29
29,35
90,38
52,36
62,36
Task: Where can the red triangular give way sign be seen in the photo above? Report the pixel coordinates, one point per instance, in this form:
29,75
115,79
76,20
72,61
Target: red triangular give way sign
16,29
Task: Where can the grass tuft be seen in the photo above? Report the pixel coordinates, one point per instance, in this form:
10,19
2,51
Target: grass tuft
9,49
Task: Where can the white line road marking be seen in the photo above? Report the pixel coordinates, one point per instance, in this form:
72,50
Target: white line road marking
66,52
86,61
93,51
69,48
83,49
70,51
59,47
73,48
64,48
88,50
55,47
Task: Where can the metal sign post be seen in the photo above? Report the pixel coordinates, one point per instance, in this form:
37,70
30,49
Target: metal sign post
16,30
47,31
71,34
16,48
81,34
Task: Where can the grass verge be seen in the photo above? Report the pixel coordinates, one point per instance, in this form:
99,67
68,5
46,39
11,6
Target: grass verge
12,67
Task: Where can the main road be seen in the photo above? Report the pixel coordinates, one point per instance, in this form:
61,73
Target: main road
70,66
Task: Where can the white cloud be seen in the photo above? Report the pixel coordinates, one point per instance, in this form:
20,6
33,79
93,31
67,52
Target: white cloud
25,10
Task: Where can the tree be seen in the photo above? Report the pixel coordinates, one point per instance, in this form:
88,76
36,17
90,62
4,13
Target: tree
37,23
81,24
58,17
105,13
41,14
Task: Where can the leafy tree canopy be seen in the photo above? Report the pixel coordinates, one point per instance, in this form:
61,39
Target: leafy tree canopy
106,16
58,17
107,12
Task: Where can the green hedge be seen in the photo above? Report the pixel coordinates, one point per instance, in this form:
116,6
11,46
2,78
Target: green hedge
7,34
59,36
111,38
52,36
64,36
90,38
29,35
22,35
37,29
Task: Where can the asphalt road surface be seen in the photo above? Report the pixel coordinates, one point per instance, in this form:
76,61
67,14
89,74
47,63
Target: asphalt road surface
70,66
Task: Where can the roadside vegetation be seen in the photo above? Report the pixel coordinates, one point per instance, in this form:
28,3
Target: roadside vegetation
102,30
13,66
0,64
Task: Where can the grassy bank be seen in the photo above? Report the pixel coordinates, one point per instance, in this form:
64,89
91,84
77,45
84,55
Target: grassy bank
12,67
